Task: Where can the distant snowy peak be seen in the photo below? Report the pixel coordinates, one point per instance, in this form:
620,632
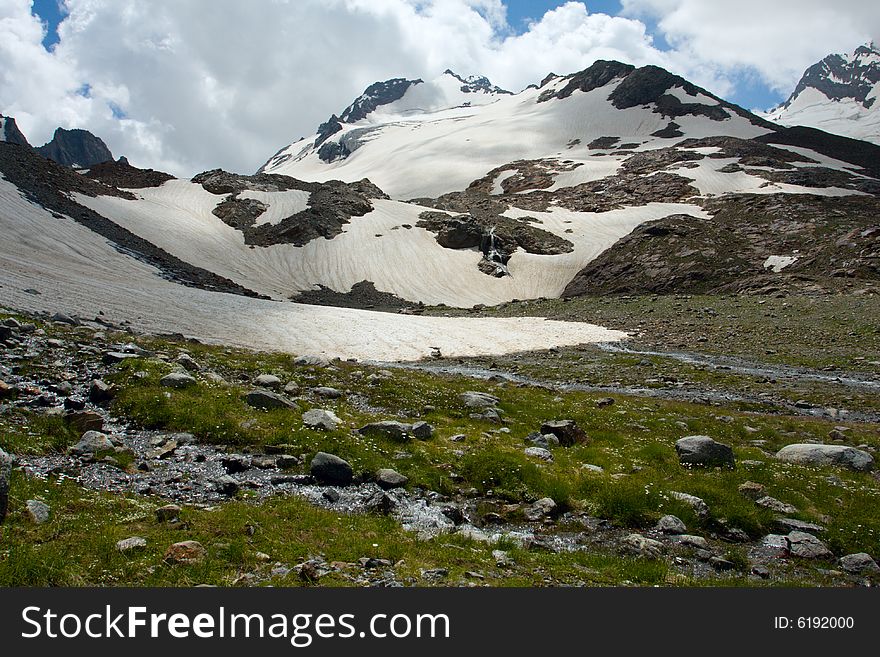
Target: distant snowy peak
838,95
477,84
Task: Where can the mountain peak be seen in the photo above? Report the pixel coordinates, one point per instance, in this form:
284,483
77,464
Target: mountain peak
9,131
477,84
76,148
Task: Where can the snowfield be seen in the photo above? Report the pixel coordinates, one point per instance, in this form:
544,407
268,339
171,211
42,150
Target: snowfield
376,247
76,271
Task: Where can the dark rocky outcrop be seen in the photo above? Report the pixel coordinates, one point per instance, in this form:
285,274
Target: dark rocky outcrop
11,133
377,94
362,295
598,75
76,148
121,174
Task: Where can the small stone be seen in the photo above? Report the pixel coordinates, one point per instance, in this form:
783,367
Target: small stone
751,490
704,451
540,453
761,571
387,479
330,469
286,461
177,380
168,513
188,363
38,511
859,563
234,464
696,503
291,388
792,524
671,525
266,401
773,504
541,509
322,419
115,357
473,399
92,442
422,430
689,540
502,559
567,431
397,431
84,420
807,546
100,392
226,485
641,546
719,563
380,502
589,467
131,544
327,392
604,402
267,381
185,552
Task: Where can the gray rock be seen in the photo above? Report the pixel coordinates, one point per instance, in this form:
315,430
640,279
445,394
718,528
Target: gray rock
226,485
285,461
115,357
5,475
330,469
541,509
792,524
131,544
590,467
703,451
319,418
696,503
84,420
177,380
265,400
38,511
838,455
671,525
773,504
859,563
388,479
473,399
327,393
641,546
92,442
100,392
380,502
605,402
540,453
188,363
751,490
422,430
567,431
806,546
689,540
267,381
168,513
392,429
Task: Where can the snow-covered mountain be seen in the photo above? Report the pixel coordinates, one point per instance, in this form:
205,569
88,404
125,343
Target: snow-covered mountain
838,95
451,192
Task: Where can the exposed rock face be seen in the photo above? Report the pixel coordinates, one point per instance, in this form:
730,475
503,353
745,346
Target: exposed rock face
76,148
477,83
122,175
331,205
598,75
836,240
377,94
839,455
840,77
9,132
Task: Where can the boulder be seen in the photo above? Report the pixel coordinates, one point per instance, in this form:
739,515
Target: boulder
84,420
188,363
185,552
168,513
567,431
422,430
539,453
671,525
387,479
859,563
389,429
806,546
327,392
640,546
267,381
703,451
696,503
319,418
838,455
92,442
226,485
266,401
177,380
131,544
100,392
541,509
473,399
773,504
38,511
331,470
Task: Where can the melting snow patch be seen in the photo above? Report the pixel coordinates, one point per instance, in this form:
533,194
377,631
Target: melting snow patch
778,263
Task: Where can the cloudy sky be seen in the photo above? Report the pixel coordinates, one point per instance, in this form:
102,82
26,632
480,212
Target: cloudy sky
188,85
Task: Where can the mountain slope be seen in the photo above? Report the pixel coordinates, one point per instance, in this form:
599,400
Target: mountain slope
9,131
838,95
